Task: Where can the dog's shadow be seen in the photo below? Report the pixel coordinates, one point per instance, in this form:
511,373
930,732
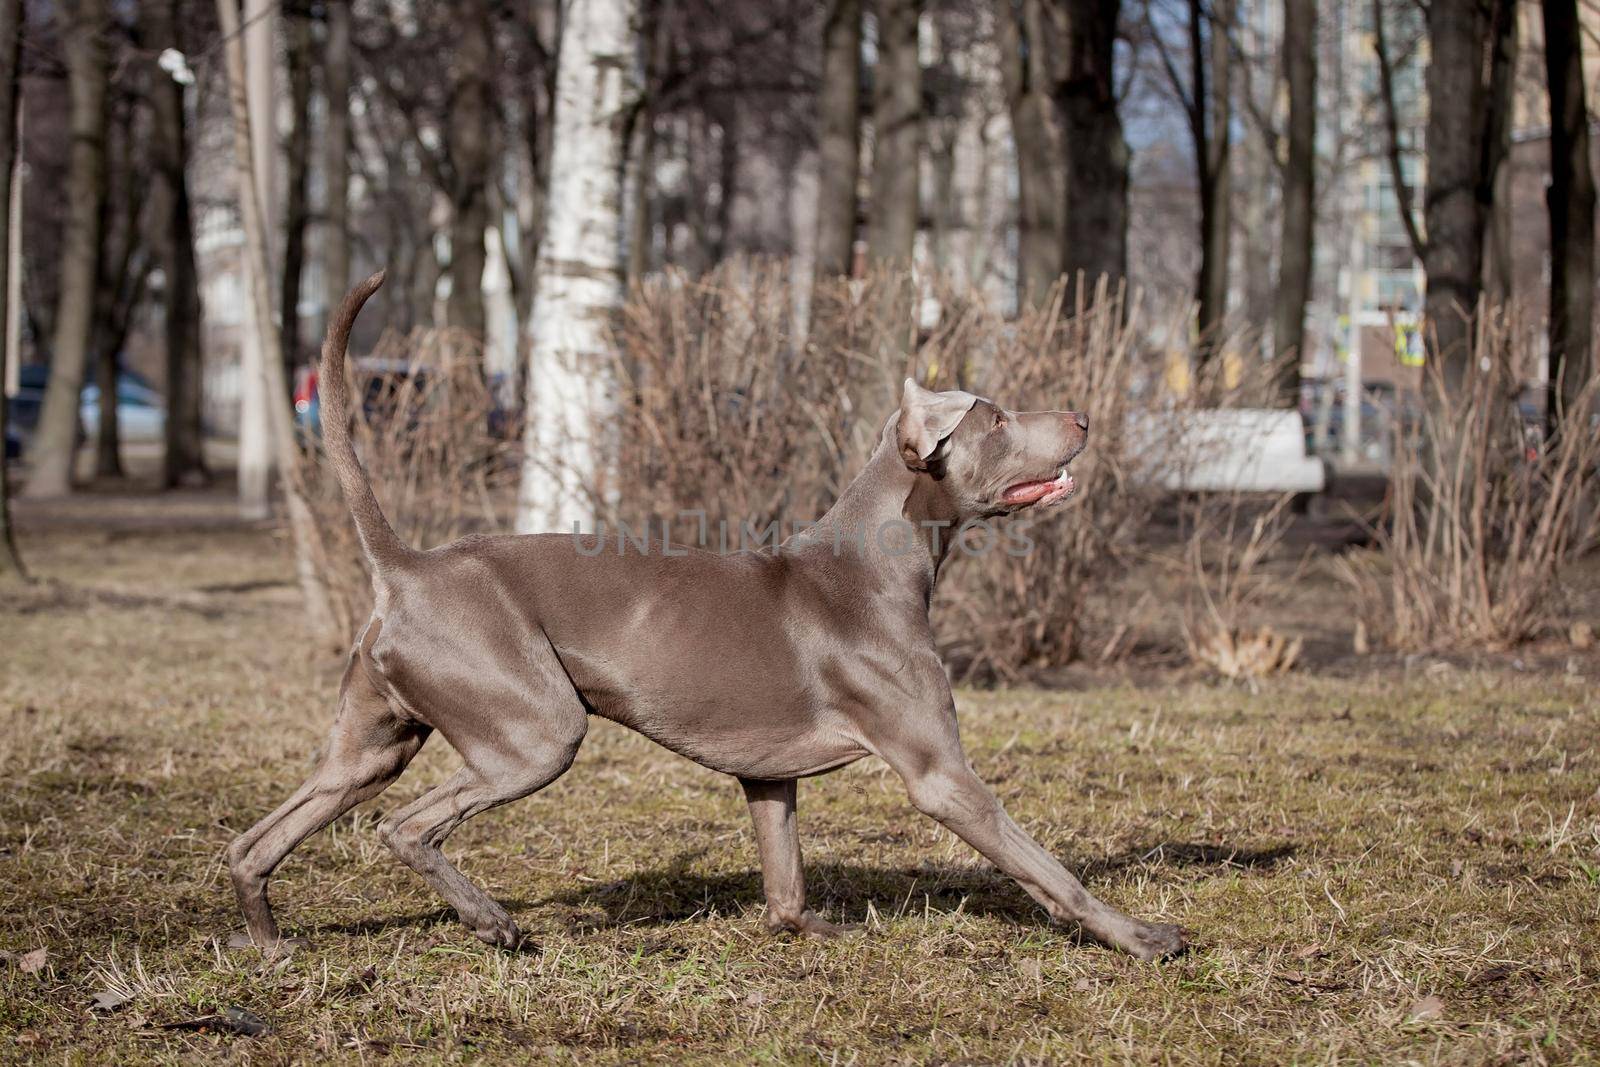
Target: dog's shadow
675,892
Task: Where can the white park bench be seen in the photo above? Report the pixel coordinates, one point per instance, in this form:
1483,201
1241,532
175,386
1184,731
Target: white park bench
1248,450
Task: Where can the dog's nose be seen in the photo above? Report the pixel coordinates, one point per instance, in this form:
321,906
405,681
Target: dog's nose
1080,418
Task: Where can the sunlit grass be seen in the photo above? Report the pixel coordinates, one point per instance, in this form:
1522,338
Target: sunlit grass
1343,849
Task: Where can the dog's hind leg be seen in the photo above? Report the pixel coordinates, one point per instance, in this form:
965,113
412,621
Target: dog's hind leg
368,748
783,879
513,743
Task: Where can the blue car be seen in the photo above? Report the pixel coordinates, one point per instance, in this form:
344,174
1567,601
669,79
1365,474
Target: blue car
141,411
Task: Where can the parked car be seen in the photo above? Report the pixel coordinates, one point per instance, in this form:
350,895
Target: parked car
141,411
22,410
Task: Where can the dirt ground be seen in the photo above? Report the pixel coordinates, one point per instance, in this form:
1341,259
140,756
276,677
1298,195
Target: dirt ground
1383,860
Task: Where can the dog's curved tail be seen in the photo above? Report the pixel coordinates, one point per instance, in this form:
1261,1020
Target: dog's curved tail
381,544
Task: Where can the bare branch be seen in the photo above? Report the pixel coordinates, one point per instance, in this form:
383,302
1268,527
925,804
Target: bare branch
1391,121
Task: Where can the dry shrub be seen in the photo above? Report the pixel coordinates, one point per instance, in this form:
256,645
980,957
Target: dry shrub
724,410
1003,616
727,409
422,425
1482,517
1228,538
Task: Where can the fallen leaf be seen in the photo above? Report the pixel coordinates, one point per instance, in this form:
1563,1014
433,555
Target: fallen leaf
1425,1009
32,962
110,1000
1031,969
233,1020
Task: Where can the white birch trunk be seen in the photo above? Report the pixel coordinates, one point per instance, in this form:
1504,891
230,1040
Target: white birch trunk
579,278
322,615
255,439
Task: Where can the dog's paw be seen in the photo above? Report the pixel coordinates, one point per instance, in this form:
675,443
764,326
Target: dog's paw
1156,941
240,940
497,929
809,924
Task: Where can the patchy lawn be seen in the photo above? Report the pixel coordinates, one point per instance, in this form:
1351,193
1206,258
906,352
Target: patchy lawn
1396,866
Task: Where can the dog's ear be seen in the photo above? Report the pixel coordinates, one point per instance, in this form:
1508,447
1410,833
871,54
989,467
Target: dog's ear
927,418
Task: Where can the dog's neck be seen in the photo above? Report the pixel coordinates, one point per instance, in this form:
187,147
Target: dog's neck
886,504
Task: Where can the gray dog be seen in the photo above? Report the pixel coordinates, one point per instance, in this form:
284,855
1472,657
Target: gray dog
768,665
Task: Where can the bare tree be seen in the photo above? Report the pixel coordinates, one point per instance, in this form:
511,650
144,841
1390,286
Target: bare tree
184,459
578,289
1028,79
1212,147
1095,242
1205,96
336,149
124,267
84,32
897,134
258,32
839,138
1571,198
321,617
470,133
1469,96
11,20
298,62
1295,252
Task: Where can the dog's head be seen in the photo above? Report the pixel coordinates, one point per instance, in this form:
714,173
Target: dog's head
988,461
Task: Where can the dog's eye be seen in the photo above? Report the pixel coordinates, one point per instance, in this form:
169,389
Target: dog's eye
999,418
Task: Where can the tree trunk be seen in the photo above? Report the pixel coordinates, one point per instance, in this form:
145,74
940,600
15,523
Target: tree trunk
578,287
897,135
119,290
1572,207
296,212
727,119
839,138
1459,31
322,619
184,461
84,30
1095,241
255,406
11,22
1299,197
1213,157
336,151
108,442
470,133
1020,36
641,167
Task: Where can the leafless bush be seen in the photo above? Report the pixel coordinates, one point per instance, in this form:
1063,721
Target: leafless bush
728,410
1485,511
1228,536
724,409
422,425
1002,616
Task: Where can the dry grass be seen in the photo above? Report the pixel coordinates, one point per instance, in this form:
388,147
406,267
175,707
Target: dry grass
1482,527
1345,849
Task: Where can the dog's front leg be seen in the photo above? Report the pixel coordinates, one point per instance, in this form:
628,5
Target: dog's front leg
943,785
782,877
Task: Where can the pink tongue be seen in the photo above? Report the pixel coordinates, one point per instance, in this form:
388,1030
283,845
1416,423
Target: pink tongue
1028,492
